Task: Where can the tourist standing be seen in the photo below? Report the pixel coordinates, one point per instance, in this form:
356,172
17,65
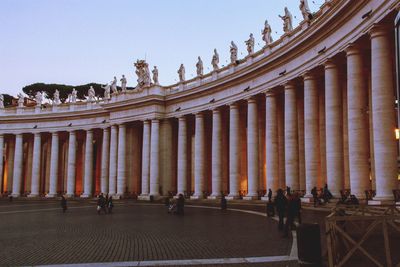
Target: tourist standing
180,205
110,204
269,195
314,193
223,203
280,204
63,204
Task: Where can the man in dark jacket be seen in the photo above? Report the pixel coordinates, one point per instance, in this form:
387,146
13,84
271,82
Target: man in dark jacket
280,204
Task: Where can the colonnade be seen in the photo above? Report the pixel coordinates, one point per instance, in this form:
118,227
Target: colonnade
332,125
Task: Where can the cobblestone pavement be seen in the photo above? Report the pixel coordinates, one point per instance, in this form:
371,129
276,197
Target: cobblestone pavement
37,232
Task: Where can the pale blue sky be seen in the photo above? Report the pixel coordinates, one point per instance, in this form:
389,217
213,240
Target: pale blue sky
80,41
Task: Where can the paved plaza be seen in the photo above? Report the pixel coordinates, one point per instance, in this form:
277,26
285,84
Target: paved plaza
137,234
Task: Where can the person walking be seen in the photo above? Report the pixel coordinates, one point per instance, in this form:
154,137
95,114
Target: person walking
269,195
180,205
110,204
101,204
107,201
314,193
63,204
280,204
223,203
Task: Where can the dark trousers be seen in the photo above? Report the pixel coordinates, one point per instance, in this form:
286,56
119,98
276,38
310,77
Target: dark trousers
281,215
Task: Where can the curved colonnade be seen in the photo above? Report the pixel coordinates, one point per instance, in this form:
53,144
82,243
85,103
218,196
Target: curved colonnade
314,107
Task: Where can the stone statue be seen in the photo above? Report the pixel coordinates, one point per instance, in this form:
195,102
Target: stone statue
199,67
1,101
114,86
287,21
215,60
91,94
74,95
56,98
107,91
234,51
38,99
143,73
250,44
21,99
123,83
181,73
305,10
155,75
267,38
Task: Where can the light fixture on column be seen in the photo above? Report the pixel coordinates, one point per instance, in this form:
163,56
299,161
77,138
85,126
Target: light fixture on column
69,125
212,100
178,109
104,121
322,50
282,73
246,89
366,14
34,127
397,133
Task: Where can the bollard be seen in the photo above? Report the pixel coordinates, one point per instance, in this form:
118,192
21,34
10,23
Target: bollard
309,245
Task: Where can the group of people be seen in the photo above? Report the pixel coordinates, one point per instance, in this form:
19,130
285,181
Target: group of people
288,206
104,204
176,206
324,195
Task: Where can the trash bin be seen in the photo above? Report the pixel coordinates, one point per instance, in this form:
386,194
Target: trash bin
309,245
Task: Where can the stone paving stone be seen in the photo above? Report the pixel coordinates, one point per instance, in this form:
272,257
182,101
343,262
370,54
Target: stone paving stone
133,232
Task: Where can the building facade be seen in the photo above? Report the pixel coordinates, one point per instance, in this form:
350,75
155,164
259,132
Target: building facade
315,107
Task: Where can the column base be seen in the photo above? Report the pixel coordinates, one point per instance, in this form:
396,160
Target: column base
265,198
196,197
69,195
381,202
15,195
214,197
307,199
33,195
51,195
85,196
232,197
251,197
144,197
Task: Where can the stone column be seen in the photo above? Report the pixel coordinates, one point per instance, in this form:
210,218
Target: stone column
234,152
53,165
105,161
291,141
88,174
357,122
311,132
271,142
146,159
1,159
113,161
37,148
199,158
155,158
216,154
252,149
334,130
18,161
71,164
182,156
383,112
121,172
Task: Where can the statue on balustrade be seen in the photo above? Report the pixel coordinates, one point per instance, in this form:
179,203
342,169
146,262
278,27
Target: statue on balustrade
181,73
305,10
250,44
199,67
91,94
74,95
123,83
56,98
267,38
114,86
143,73
107,91
38,99
215,60
155,75
287,21
1,101
21,99
234,51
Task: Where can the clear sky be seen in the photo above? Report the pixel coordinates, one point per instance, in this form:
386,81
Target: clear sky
81,41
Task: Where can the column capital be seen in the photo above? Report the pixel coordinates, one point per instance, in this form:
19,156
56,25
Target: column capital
353,49
379,30
270,93
289,85
122,125
106,129
182,118
199,114
155,120
89,130
54,133
330,64
233,105
146,122
309,75
251,99
216,110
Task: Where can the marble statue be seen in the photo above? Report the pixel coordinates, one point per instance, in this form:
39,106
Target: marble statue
56,98
181,73
305,10
143,73
123,83
1,101
199,67
287,21
250,44
215,60
114,86
107,91
155,75
21,99
234,51
91,94
74,95
267,38
38,99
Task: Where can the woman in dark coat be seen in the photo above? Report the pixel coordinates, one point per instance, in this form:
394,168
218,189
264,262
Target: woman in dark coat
280,204
63,204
